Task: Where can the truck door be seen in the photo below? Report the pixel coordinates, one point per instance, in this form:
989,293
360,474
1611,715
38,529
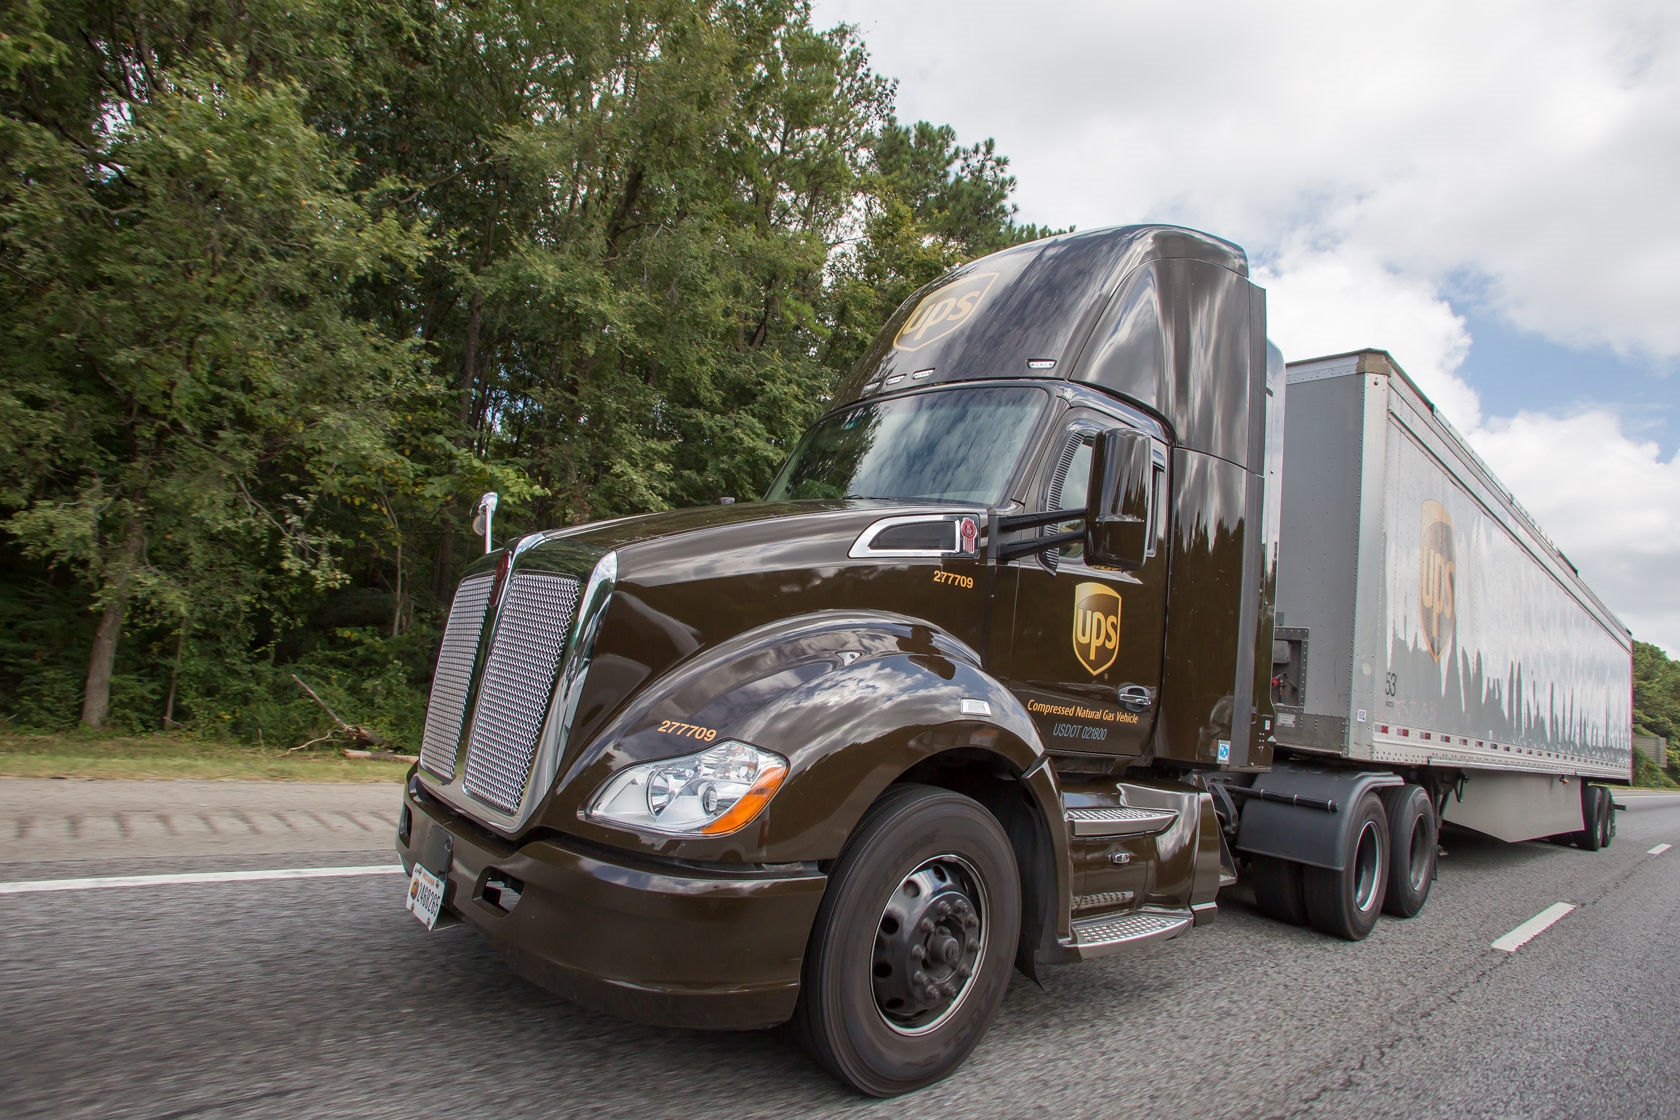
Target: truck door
1086,656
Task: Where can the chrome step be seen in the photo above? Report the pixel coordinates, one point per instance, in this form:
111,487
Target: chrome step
1094,937
1119,821
1103,900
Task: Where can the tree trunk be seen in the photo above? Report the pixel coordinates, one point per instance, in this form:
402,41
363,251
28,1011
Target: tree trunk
175,678
469,360
96,695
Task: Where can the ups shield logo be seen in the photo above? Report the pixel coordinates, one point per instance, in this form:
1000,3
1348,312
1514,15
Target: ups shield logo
1437,575
942,311
1096,626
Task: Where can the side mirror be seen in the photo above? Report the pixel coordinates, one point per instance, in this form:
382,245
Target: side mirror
483,517
1117,510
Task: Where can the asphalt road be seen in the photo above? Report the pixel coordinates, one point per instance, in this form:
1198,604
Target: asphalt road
323,997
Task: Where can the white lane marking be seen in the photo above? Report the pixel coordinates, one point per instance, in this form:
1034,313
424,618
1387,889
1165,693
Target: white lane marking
38,886
1659,849
1532,928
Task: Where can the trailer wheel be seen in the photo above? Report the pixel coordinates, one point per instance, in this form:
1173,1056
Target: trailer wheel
1277,889
913,942
1606,816
1346,903
1412,834
1591,836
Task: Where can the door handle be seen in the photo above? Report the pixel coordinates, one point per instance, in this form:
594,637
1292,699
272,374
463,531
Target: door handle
1135,697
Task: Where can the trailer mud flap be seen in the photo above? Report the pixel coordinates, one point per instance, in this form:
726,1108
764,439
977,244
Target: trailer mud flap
1308,819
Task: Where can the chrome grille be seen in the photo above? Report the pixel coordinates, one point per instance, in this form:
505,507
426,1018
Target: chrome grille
530,636
453,678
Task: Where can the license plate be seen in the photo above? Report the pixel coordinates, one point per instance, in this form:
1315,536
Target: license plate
425,896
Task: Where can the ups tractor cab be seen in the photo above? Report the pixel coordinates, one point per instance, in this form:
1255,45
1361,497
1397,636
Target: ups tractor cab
943,704
978,686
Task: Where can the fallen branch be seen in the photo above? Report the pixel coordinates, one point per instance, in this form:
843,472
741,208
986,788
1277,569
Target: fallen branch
350,731
381,756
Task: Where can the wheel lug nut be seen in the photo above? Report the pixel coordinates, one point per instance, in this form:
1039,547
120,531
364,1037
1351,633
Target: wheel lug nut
970,922
925,925
917,953
918,978
944,908
972,944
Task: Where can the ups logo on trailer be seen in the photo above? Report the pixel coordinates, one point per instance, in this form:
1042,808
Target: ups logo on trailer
1437,572
1096,626
943,311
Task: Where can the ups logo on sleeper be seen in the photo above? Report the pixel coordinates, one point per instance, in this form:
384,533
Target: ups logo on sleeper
942,311
1096,626
1437,573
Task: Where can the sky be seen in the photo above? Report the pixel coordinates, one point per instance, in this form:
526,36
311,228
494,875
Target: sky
1490,191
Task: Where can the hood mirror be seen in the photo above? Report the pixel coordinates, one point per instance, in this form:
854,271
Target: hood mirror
1117,513
485,515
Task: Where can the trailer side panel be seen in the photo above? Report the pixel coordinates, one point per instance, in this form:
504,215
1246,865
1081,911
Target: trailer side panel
1476,646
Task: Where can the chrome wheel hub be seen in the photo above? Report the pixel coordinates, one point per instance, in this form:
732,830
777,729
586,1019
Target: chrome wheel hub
928,944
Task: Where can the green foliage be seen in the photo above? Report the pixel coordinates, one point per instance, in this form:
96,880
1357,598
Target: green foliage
1656,705
290,284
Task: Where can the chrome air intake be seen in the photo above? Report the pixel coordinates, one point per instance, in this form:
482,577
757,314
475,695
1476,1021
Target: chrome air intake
531,632
515,652
447,710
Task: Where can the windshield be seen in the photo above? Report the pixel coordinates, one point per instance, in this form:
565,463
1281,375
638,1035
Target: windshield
953,446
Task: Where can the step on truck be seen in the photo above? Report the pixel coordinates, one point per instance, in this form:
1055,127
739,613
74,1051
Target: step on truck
1036,643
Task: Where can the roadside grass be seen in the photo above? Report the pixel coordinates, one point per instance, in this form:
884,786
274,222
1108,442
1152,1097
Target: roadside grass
176,755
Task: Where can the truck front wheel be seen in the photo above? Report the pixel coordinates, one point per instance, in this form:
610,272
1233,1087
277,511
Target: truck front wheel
1346,903
911,951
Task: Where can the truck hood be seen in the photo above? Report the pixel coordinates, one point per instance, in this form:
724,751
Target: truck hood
622,532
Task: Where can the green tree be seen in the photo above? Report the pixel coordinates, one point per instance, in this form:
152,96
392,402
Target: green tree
933,204
180,382
289,284
1656,699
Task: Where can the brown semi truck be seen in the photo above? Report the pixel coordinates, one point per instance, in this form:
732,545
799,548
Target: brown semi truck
1008,669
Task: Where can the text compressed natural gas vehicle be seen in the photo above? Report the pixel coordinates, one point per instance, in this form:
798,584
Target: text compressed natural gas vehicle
1036,643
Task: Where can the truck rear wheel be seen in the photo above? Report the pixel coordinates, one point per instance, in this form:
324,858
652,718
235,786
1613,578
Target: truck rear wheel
1346,903
912,947
1606,816
1591,836
1412,836
1277,889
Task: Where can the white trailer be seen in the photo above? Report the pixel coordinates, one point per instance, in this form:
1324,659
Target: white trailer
1427,626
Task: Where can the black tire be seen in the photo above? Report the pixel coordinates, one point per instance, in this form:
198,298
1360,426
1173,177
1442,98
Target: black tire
1591,836
920,856
1606,816
1277,889
1346,903
1413,839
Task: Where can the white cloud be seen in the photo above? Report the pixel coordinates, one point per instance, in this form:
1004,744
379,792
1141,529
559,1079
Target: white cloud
1321,303
1611,503
1528,147
1372,158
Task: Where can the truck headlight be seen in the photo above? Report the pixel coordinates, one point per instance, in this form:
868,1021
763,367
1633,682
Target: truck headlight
706,794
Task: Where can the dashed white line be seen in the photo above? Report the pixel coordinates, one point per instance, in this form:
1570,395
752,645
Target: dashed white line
1532,928
40,886
1659,849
